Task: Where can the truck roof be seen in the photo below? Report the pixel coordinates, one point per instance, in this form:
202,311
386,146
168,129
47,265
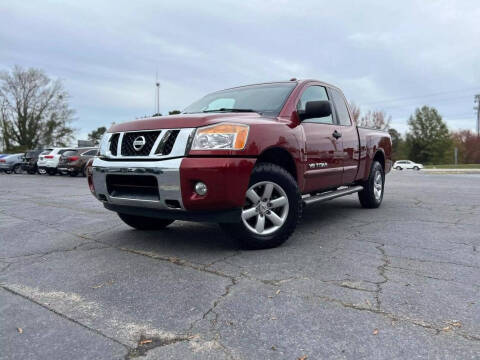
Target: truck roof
298,81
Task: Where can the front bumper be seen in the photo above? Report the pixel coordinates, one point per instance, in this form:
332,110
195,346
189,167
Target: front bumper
226,179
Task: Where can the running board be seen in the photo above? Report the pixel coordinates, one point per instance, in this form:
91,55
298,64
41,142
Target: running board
331,195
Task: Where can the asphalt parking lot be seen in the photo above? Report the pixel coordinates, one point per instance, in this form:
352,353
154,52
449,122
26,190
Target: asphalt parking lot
402,281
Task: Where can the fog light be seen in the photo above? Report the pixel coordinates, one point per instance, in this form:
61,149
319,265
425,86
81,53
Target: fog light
201,188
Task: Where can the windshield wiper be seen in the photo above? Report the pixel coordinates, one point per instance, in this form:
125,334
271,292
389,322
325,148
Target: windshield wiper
230,110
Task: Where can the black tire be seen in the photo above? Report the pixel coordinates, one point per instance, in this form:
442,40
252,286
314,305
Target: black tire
281,177
17,169
51,172
7,171
73,173
144,223
399,168
367,195
416,168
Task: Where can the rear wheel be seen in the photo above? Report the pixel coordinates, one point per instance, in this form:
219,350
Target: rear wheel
73,173
399,168
144,223
372,194
416,168
273,207
51,172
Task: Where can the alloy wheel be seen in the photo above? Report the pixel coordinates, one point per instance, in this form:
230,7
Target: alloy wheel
266,208
378,185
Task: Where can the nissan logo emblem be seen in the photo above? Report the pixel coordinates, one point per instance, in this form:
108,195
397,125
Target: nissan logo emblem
139,143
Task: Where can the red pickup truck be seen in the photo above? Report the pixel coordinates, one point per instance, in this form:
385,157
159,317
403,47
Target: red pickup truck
249,158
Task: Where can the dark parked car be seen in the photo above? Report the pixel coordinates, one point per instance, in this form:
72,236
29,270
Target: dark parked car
30,159
74,161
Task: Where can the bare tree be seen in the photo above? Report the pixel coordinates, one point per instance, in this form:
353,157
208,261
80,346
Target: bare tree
34,109
375,119
355,110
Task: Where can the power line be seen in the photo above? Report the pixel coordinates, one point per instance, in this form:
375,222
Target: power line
476,88
443,100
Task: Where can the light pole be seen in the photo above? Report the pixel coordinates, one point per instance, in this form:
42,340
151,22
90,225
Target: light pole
157,105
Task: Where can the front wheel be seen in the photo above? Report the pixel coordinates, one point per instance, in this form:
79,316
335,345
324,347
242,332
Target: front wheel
399,168
73,173
17,169
272,210
416,168
372,194
144,223
51,172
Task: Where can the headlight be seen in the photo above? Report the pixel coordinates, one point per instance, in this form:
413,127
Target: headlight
221,137
104,144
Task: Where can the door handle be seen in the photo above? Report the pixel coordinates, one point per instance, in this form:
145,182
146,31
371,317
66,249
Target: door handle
337,134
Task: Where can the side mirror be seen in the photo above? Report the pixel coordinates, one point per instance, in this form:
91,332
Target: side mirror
316,109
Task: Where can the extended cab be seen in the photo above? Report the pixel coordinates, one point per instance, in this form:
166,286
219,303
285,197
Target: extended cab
249,158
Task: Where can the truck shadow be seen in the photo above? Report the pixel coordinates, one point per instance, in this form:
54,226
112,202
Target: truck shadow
204,237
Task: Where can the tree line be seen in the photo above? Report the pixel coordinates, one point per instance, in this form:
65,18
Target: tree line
428,139
35,112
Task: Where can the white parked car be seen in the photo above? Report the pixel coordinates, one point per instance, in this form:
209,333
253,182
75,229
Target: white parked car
407,164
48,160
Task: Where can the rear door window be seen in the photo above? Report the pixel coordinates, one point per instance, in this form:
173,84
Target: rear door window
341,107
69,153
61,152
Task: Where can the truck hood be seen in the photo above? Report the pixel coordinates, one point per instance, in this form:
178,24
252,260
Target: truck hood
189,121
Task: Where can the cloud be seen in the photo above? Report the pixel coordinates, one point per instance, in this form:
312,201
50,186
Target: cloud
108,52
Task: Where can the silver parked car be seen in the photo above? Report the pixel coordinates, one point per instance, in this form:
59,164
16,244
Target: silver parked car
12,163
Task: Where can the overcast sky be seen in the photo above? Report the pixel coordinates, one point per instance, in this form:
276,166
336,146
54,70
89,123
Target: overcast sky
385,55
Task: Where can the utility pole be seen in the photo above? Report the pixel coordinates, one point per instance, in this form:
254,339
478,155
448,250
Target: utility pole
477,101
157,104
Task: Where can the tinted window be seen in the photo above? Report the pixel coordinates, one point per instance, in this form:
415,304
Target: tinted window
63,151
265,98
91,152
341,107
314,93
69,153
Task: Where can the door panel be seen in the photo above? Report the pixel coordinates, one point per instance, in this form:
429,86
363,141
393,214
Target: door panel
350,153
324,167
350,140
324,157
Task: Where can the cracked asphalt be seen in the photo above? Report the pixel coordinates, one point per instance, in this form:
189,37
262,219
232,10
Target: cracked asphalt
401,281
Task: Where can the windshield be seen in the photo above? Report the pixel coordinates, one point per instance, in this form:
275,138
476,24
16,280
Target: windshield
265,99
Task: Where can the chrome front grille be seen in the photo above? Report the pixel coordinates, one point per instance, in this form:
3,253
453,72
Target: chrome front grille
114,143
148,137
149,144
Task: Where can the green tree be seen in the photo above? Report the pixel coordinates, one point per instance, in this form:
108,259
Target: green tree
174,112
398,145
96,135
428,140
34,109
